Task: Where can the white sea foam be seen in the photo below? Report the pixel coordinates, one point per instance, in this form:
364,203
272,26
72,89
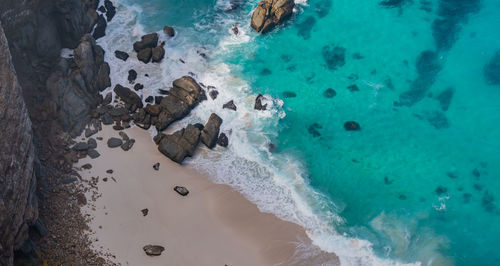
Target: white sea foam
277,183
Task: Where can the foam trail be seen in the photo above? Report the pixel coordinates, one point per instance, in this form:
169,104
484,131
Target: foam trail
276,183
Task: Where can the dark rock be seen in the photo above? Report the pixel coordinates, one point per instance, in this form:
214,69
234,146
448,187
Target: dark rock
111,10
132,75
81,146
114,142
329,93
323,7
156,166
289,94
163,92
304,28
100,29
392,3
265,72
102,80
223,141
334,56
229,105
153,109
147,41
69,180
158,99
128,96
93,153
102,9
109,171
121,55
180,144
153,250
438,120
123,135
476,173
169,31
269,14
440,190
144,213
314,130
87,166
492,70
235,29
353,88
158,53
127,145
92,143
149,99
81,199
145,55
352,126
213,94
41,228
138,87
444,98
118,126
210,131
258,103
107,119
181,190
271,147
107,99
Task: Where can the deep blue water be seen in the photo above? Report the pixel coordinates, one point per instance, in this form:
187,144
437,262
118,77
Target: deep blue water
420,180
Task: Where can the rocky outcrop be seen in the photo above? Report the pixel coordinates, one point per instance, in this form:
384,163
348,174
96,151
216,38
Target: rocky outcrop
210,131
270,13
75,83
147,48
180,144
18,202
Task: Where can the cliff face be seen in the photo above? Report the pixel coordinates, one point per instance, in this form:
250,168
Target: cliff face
18,204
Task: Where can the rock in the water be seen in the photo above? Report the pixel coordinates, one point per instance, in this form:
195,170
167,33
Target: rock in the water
353,88
149,99
334,56
181,190
100,29
258,103
127,145
351,126
229,105
445,97
147,41
270,13
492,70
114,142
128,96
314,130
121,55
213,94
222,141
81,146
329,93
180,144
107,99
132,75
145,212
156,166
289,94
145,55
210,131
93,153
169,31
110,9
158,53
153,250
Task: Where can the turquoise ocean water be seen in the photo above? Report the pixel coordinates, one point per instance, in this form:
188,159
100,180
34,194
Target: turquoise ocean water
419,182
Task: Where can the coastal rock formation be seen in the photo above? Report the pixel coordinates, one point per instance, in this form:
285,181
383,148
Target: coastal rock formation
270,13
75,83
147,48
185,94
210,131
180,144
18,202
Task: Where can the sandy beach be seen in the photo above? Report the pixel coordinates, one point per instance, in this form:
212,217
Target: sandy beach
212,225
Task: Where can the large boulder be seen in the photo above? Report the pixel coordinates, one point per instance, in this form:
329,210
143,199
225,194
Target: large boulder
180,144
158,53
210,131
147,41
270,13
128,96
145,55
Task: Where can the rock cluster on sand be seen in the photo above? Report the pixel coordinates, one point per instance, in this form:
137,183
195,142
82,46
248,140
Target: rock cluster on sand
147,48
270,13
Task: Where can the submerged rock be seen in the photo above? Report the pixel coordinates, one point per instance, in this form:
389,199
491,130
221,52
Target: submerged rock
353,88
444,98
329,93
181,190
352,126
314,130
289,94
492,70
270,13
334,56
210,131
153,250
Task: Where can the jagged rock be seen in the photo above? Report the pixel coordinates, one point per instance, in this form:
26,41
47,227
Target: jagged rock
153,250
128,96
145,212
138,87
270,13
100,29
149,99
229,105
110,9
181,190
114,142
121,55
169,31
18,201
132,75
180,144
352,126
223,141
289,94
127,145
184,96
258,103
147,41
145,55
210,131
213,94
158,54
156,166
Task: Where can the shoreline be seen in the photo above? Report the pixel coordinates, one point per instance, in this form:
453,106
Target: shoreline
213,221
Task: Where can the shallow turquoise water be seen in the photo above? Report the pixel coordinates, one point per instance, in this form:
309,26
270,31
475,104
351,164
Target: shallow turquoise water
420,178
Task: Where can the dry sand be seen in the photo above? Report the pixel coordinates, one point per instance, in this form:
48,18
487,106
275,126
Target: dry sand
213,225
